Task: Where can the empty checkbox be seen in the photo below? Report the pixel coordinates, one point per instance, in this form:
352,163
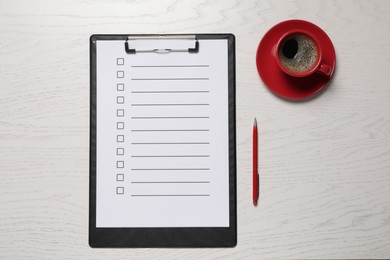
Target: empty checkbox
120,151
120,61
120,164
120,100
120,190
120,138
120,177
120,125
120,74
120,87
120,112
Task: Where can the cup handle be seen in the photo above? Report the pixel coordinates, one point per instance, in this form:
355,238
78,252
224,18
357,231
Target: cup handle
324,69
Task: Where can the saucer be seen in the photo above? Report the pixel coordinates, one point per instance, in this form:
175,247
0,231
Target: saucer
280,83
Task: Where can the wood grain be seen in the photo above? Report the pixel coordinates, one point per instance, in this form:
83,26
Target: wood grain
324,164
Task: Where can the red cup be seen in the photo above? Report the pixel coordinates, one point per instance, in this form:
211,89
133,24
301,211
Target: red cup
317,67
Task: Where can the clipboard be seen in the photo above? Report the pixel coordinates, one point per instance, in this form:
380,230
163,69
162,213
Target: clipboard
162,141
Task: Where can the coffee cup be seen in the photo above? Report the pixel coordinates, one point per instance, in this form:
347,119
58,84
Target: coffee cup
299,54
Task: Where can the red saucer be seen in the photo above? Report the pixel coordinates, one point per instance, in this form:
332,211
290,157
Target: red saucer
276,80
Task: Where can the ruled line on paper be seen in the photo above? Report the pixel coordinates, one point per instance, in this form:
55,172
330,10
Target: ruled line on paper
170,78
170,130
169,182
170,66
172,104
170,195
171,169
170,91
174,85
175,156
176,143
169,117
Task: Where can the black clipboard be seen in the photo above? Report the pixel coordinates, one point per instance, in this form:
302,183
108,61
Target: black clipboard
191,237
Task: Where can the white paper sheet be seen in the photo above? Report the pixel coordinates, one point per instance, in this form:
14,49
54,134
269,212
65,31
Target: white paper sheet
162,137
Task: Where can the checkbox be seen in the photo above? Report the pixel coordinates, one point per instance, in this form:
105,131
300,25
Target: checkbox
120,87
120,74
120,61
120,125
120,100
120,164
120,190
120,151
120,177
120,112
120,138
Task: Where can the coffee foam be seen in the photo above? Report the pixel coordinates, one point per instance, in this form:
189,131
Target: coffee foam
304,59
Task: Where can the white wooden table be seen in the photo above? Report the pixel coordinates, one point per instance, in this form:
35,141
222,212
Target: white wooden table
324,164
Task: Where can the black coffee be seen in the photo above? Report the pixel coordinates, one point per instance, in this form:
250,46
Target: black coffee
298,53
290,48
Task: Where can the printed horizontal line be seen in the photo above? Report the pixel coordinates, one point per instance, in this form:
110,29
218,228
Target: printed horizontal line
177,143
182,104
163,156
169,66
171,169
169,117
170,195
170,78
170,91
170,130
167,182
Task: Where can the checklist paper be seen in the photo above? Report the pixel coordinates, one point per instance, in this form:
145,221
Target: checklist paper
162,144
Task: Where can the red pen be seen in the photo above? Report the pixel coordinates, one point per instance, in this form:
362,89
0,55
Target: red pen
255,170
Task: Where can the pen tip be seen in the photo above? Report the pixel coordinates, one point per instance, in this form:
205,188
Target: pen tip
255,122
255,203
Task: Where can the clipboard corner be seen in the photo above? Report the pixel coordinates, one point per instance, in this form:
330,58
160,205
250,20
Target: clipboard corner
93,38
231,37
